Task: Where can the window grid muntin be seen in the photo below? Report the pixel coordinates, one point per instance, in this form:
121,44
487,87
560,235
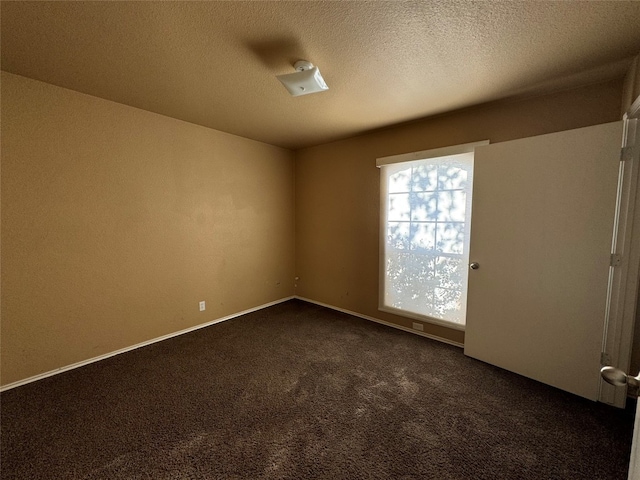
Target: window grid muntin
392,252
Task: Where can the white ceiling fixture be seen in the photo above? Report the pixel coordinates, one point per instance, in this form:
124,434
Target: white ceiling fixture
307,79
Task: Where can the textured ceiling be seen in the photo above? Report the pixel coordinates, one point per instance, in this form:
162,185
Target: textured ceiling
215,63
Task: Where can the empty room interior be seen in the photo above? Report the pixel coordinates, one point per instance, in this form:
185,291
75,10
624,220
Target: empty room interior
320,239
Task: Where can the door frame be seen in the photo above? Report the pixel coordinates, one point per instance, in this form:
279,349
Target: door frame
622,292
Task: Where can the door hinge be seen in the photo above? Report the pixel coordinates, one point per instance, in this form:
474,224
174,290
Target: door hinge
626,153
605,358
616,260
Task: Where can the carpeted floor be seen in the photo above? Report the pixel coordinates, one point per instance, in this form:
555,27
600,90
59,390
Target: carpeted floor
298,391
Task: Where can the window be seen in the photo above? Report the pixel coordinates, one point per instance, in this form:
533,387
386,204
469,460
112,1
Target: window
426,214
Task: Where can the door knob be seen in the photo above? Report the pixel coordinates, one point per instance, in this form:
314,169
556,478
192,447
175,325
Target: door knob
474,266
617,377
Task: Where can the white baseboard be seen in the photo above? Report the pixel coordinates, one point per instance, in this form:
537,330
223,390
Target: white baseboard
213,322
138,345
383,322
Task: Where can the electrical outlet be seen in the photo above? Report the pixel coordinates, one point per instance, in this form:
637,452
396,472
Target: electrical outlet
202,306
418,326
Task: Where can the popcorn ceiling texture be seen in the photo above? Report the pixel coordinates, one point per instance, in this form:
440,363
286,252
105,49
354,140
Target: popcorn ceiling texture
214,63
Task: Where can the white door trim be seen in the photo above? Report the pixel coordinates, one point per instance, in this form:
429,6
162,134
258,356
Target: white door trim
623,280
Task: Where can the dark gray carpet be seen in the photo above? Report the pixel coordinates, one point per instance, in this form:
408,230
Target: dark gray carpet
298,391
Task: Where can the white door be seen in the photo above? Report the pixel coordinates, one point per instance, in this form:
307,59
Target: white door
542,223
634,462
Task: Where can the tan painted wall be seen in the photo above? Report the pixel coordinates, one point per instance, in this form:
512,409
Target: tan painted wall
117,221
337,188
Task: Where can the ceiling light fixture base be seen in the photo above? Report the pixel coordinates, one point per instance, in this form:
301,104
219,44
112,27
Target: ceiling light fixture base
302,66
307,79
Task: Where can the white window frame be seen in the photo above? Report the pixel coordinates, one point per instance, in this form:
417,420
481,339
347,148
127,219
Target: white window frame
406,158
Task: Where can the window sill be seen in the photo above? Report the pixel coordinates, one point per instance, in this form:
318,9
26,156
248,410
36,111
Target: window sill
422,318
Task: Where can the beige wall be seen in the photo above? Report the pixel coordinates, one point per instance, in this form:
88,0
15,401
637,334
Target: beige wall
337,188
117,221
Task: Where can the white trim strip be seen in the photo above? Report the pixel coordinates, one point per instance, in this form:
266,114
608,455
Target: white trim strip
137,345
422,318
433,153
634,109
383,322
